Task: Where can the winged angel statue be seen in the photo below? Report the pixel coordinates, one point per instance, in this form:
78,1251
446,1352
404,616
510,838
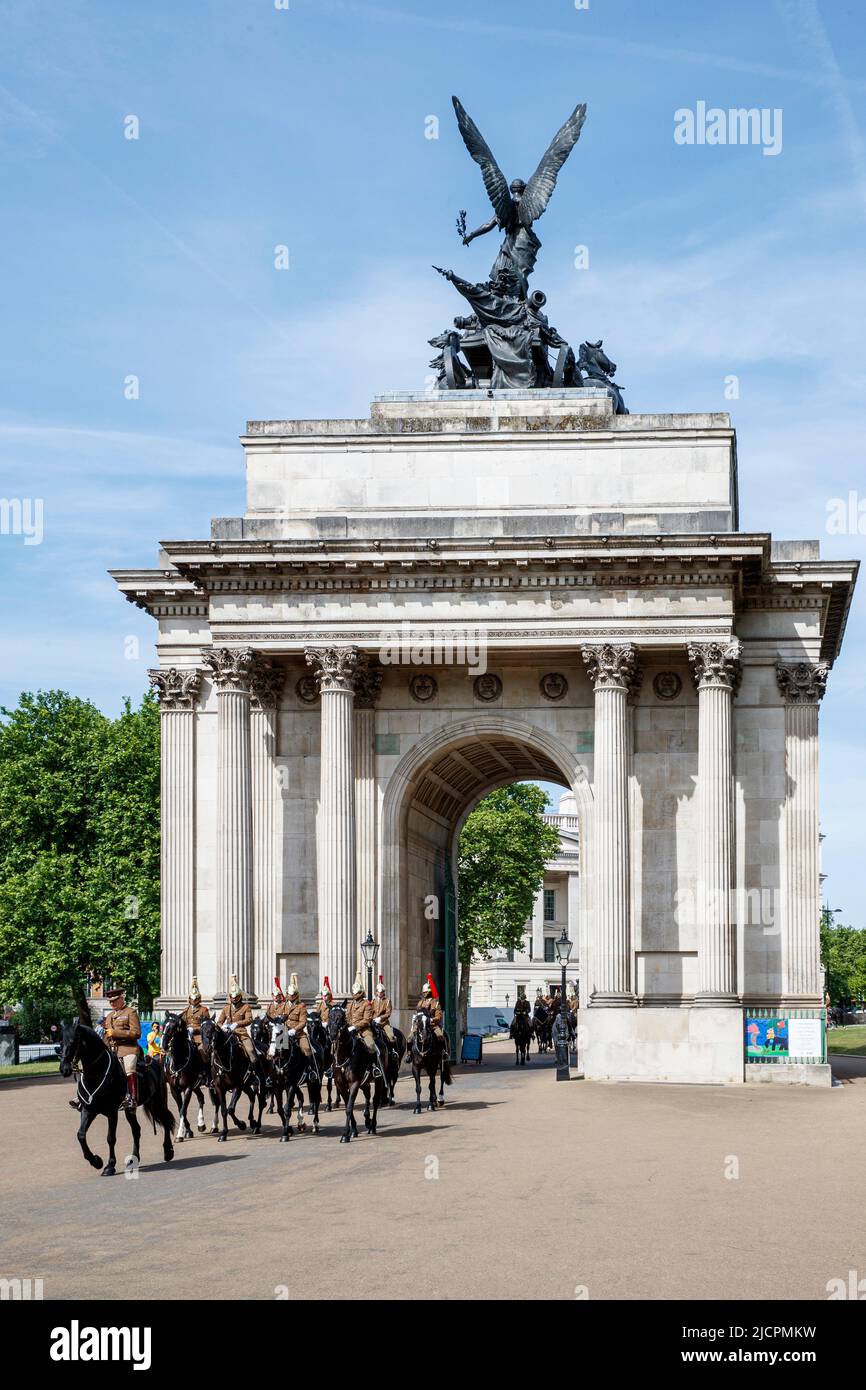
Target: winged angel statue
506,341
518,205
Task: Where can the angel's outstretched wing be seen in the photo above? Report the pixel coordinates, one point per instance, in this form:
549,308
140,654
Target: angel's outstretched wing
537,193
494,179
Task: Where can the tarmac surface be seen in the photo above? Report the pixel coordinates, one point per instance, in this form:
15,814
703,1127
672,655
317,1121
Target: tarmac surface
519,1188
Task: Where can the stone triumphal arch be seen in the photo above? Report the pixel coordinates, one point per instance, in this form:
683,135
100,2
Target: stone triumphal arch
467,590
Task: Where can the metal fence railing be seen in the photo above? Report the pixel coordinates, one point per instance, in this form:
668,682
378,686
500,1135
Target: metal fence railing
770,1039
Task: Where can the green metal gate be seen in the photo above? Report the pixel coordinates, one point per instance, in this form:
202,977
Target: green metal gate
449,983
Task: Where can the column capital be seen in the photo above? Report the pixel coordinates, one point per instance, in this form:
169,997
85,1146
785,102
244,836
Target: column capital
176,688
803,682
334,668
368,681
613,666
716,664
266,684
230,668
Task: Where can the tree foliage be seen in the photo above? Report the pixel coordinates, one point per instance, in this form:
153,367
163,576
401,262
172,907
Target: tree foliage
503,848
843,952
79,847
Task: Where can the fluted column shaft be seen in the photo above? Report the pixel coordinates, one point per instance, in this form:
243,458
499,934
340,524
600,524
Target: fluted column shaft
614,672
335,669
232,671
802,687
177,691
267,686
716,672
365,813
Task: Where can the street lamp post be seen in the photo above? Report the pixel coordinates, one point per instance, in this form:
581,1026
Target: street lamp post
563,951
369,950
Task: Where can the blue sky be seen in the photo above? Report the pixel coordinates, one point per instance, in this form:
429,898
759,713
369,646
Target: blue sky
306,127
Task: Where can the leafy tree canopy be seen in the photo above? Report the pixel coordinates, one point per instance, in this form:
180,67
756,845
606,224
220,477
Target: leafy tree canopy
79,846
503,848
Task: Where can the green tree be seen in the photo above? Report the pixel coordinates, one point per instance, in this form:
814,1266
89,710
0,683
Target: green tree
843,953
79,847
504,846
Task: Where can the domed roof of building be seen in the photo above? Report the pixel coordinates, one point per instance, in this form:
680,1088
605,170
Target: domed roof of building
567,804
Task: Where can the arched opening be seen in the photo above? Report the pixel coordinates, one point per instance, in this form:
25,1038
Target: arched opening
427,799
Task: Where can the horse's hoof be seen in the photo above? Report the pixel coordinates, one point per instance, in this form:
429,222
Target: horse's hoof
329,1107
202,1129
416,1110
169,1155
222,1139
344,1138
109,1170
315,1129
241,1124
215,1129
95,1161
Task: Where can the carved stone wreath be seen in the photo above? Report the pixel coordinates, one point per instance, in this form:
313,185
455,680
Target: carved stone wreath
487,687
667,685
553,686
307,690
423,688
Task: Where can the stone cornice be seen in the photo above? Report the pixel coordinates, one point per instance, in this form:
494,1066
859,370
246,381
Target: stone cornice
176,688
803,682
716,664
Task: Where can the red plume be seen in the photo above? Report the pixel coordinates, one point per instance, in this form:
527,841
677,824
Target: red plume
381,979
433,990
277,983
327,982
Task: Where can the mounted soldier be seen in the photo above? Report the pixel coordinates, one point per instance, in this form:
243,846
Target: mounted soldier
236,1017
522,1006
277,1010
295,1019
327,1000
359,1016
122,1034
430,1005
382,1009
193,1016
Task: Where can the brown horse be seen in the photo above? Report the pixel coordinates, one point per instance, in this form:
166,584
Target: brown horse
355,1070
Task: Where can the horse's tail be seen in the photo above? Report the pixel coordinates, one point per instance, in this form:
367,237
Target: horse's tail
156,1104
447,1078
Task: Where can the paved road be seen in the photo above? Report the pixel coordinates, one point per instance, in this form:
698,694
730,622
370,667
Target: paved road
519,1188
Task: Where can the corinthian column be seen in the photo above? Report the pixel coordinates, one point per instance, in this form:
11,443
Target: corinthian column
716,672
177,692
802,688
368,683
267,683
615,675
231,670
335,670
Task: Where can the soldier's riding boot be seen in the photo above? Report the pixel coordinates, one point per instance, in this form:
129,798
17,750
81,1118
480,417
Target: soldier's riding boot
130,1100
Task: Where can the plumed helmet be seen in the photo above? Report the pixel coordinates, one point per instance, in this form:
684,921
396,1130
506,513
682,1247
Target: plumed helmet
235,991
358,986
293,987
326,989
380,988
194,991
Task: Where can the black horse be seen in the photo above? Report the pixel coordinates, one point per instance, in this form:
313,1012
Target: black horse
232,1076
395,1052
521,1034
354,1070
321,1042
187,1074
287,1070
542,1027
428,1055
102,1090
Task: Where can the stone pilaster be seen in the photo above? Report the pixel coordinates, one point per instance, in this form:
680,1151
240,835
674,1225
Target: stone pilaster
266,688
335,669
231,670
177,691
716,672
538,926
615,674
368,683
802,686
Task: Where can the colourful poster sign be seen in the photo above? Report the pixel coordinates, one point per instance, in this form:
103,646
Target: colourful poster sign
766,1037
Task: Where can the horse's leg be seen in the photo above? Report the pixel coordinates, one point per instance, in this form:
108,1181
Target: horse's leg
279,1094
236,1095
111,1164
87,1118
316,1101
135,1158
201,1126
416,1072
181,1100
216,1097
432,1103
330,1079
224,1133
346,1136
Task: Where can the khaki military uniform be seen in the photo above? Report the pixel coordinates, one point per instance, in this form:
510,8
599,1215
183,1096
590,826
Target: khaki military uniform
122,1033
382,1015
241,1015
296,1018
325,1009
193,1017
521,1007
433,1009
277,1011
359,1014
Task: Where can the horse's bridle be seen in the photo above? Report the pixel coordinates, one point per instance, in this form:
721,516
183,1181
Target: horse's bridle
173,1070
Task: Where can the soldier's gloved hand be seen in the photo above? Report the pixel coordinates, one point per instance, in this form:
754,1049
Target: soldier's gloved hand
292,1032
352,1028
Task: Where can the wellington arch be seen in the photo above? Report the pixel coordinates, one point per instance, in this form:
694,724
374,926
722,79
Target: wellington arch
475,587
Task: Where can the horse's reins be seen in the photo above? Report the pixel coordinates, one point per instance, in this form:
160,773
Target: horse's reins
82,1089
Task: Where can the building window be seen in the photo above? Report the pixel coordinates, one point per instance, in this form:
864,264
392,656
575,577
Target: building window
521,991
550,905
549,950
510,954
